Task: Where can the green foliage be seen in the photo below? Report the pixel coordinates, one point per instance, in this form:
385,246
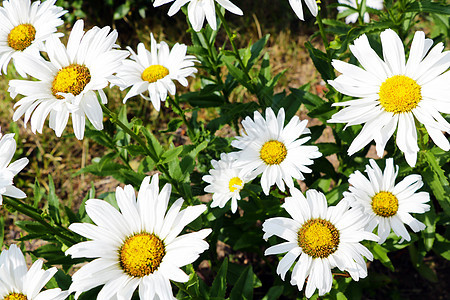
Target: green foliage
234,83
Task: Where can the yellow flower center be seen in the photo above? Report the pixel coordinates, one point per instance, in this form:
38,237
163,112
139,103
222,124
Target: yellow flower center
235,184
21,36
384,204
15,296
71,79
318,238
273,152
141,254
154,73
399,94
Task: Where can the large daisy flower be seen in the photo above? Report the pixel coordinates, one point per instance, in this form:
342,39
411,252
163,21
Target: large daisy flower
8,170
352,18
298,9
225,182
270,148
199,9
67,83
138,245
155,71
24,26
19,283
394,93
387,204
322,238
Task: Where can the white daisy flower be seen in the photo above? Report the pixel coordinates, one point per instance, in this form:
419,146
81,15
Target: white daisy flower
198,10
67,83
224,180
298,9
387,204
155,71
9,170
270,148
352,18
138,246
24,27
19,283
392,93
322,237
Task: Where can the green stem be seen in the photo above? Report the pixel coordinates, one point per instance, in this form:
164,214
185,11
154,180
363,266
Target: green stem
153,155
113,117
181,113
181,287
33,214
233,45
322,32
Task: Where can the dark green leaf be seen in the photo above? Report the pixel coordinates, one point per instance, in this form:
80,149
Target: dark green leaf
274,293
219,285
53,202
426,6
243,289
380,253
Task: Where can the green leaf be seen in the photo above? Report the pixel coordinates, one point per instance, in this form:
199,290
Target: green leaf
428,234
239,75
328,148
321,62
121,11
442,246
197,99
380,253
426,6
171,154
257,48
37,193
435,178
243,289
2,231
219,285
173,125
53,202
274,293
153,141
248,239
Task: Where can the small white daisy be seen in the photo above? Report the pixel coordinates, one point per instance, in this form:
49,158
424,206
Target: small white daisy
393,93
387,204
138,246
324,238
352,18
298,9
24,27
67,83
155,71
224,180
198,10
8,170
19,283
270,148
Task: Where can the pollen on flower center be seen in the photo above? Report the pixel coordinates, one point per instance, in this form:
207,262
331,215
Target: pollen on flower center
384,204
15,296
154,73
71,79
141,254
399,94
318,238
273,152
235,184
21,36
